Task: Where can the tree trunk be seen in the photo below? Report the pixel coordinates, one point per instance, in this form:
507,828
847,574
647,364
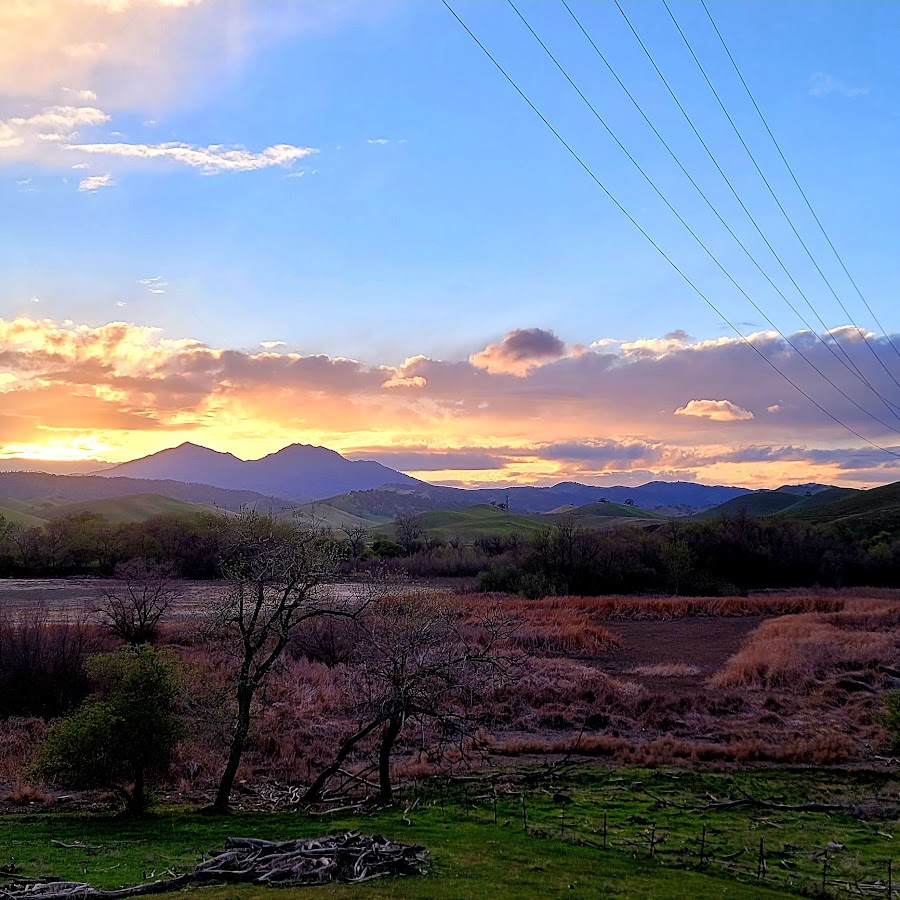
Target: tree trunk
315,790
388,737
137,799
235,750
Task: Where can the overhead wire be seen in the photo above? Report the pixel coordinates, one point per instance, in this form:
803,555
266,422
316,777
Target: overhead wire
852,368
589,171
743,205
693,233
794,178
778,203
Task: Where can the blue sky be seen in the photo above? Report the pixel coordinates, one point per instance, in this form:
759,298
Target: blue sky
437,213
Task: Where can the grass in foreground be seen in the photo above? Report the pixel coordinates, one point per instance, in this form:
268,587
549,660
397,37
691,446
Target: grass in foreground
474,857
468,859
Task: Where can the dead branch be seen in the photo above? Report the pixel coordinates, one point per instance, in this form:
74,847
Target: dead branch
349,857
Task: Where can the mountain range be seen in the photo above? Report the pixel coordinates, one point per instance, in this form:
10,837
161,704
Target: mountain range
343,489
299,472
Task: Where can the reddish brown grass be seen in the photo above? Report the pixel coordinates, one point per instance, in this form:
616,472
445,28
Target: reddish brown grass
802,651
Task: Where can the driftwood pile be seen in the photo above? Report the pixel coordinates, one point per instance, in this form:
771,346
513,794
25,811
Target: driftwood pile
349,857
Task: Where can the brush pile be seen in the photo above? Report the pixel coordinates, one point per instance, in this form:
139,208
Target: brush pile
349,857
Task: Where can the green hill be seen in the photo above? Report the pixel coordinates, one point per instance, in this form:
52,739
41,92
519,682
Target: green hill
821,498
131,508
759,503
470,523
10,511
863,513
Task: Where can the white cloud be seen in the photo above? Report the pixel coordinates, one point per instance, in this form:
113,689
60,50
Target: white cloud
154,285
54,124
271,345
820,85
210,160
714,410
95,182
381,141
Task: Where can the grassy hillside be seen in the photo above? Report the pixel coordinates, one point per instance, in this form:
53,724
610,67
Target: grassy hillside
821,498
470,523
10,511
131,508
862,512
613,510
761,503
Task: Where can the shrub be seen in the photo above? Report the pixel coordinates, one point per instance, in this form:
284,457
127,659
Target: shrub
118,740
889,717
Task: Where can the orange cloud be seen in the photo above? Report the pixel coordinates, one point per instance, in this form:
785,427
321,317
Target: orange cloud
714,410
602,414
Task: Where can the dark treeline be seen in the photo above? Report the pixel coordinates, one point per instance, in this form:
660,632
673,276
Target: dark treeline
715,557
710,558
89,544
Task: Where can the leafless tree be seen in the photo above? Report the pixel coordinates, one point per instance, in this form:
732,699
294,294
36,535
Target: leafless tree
277,577
133,607
416,662
409,530
356,538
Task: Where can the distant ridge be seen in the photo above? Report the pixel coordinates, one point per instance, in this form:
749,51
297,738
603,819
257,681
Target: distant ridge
299,472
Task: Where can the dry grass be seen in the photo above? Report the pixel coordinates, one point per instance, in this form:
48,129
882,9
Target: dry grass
666,670
803,651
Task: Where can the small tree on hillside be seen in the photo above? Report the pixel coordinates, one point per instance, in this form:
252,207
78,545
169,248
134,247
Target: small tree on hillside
123,736
276,575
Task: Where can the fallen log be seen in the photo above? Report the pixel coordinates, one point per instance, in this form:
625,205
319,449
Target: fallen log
349,857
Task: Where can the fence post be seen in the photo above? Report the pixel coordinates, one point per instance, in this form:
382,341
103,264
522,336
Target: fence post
604,831
761,862
524,815
824,871
466,798
653,841
702,845
562,821
890,883
495,807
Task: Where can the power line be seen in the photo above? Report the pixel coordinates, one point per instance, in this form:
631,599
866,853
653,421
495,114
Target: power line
656,246
794,177
853,369
778,203
693,233
743,205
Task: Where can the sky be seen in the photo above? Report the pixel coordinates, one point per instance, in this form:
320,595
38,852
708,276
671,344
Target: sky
250,224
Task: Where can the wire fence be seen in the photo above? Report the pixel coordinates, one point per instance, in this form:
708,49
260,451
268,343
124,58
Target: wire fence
832,870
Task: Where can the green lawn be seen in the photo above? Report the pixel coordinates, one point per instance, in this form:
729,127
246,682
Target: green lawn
473,857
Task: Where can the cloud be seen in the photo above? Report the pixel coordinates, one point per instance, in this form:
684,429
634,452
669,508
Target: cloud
271,345
210,160
602,415
519,351
820,85
154,285
715,410
381,141
95,182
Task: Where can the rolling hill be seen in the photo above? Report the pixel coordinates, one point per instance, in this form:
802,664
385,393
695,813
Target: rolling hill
130,508
786,500
864,513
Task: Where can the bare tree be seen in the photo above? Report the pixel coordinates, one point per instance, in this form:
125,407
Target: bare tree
277,576
356,538
409,530
417,663
133,607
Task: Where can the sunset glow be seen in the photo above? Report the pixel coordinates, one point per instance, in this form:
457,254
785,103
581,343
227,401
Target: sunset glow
202,254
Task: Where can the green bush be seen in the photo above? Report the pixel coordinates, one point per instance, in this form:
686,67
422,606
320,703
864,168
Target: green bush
123,735
890,717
